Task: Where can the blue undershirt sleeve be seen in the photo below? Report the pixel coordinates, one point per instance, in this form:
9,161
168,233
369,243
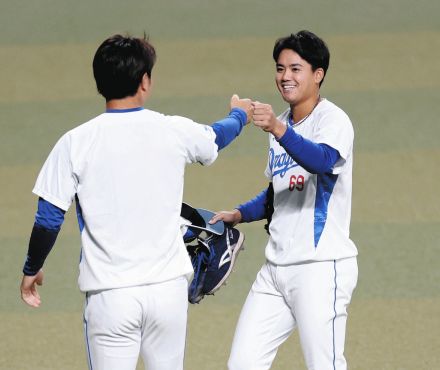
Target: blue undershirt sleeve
48,215
229,128
313,157
48,221
254,209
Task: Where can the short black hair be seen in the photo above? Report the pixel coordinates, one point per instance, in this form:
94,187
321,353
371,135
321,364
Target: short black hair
120,63
308,46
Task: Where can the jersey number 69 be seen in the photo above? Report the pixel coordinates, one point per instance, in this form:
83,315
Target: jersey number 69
296,182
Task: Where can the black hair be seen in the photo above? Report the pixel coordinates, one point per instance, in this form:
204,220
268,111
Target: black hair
308,46
120,63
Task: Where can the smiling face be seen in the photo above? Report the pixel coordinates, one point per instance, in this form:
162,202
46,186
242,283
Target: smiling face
295,79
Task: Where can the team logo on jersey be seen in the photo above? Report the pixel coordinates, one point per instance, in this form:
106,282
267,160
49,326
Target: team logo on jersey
279,164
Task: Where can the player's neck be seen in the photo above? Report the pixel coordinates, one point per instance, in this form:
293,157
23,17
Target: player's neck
135,101
125,103
304,109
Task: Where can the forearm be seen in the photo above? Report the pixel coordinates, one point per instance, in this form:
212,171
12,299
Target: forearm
315,158
229,128
254,209
48,221
40,244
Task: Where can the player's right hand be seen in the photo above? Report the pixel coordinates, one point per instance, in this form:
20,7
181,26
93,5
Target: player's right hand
245,104
265,118
230,217
29,293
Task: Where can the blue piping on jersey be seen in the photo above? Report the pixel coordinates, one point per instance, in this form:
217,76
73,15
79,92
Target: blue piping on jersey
81,223
334,318
79,214
86,334
324,188
124,110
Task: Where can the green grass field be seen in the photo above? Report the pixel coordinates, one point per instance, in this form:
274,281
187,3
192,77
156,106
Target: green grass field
384,72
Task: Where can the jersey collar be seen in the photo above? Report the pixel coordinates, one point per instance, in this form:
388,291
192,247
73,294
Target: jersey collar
123,110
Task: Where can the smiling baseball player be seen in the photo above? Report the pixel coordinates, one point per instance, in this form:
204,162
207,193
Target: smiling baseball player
125,170
311,269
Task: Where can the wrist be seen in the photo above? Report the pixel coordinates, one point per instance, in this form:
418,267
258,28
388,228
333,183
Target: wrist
237,216
31,267
240,114
278,130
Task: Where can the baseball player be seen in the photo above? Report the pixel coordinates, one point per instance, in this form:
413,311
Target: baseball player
311,269
125,169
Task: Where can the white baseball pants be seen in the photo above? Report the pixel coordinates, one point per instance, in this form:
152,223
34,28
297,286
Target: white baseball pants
150,320
312,297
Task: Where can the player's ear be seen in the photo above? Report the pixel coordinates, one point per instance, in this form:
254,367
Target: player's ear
145,86
146,82
319,75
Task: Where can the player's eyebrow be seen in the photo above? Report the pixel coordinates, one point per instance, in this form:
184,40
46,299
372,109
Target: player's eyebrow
290,65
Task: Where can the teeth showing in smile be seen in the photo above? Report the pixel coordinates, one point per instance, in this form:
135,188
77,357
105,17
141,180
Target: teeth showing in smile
288,87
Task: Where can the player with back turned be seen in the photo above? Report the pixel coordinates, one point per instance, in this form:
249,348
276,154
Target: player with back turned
311,269
125,169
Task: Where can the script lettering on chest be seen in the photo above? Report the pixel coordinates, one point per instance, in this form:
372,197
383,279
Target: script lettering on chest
279,164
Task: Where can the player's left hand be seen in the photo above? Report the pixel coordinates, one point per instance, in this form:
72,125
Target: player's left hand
245,104
264,117
29,293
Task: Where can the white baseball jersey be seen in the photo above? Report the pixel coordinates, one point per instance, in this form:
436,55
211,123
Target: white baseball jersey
127,171
312,212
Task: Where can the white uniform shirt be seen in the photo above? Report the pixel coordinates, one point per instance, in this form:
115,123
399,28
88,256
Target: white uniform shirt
127,172
312,212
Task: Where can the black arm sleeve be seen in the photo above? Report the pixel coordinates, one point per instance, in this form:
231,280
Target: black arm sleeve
40,244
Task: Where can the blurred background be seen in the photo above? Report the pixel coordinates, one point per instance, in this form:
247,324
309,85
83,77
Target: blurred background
384,72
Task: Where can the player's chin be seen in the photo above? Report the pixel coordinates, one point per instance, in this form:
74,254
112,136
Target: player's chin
289,98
